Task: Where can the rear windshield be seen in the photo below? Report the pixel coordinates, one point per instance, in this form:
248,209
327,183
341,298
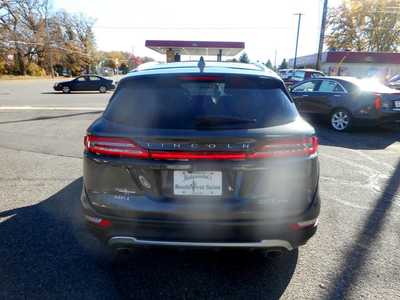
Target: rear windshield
200,102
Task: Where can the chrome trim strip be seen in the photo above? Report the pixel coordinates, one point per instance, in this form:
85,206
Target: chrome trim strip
127,240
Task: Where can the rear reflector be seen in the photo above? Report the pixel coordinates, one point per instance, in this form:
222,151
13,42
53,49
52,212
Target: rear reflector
378,102
304,224
123,147
102,223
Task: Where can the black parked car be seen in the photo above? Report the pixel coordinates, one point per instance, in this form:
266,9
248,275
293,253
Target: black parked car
201,157
85,83
291,76
347,101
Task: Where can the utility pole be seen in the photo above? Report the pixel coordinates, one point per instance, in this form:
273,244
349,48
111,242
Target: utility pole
46,23
50,52
322,35
297,39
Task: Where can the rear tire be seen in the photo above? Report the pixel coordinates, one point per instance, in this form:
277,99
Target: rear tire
340,120
102,89
66,89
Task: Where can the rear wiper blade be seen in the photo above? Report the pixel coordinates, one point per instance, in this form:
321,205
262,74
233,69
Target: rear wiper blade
221,120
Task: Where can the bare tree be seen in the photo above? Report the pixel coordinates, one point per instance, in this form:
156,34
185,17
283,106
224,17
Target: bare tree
35,34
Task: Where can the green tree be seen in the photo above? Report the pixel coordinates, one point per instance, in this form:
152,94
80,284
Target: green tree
364,25
244,58
268,64
283,65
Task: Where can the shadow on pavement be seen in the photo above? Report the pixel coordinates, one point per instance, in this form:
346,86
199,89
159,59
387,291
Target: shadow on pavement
53,117
375,138
201,274
42,252
349,273
74,92
46,253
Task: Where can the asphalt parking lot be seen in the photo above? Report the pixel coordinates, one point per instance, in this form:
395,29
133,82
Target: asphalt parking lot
46,253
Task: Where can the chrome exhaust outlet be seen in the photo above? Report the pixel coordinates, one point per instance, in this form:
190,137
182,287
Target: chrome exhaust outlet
274,253
128,241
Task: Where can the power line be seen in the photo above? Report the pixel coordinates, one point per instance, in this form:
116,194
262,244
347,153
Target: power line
192,27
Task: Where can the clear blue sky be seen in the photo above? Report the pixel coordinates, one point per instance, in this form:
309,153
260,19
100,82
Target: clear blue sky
264,25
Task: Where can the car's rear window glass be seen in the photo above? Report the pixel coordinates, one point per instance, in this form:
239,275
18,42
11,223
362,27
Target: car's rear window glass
200,102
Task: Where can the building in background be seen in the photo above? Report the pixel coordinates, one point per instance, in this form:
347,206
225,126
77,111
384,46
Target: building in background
175,49
382,65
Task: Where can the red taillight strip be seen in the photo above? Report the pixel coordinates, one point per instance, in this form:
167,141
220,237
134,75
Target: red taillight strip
286,148
124,147
197,155
114,146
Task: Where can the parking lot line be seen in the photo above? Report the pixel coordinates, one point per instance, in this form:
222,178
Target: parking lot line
50,108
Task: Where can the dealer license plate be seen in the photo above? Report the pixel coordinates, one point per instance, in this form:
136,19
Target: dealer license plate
198,183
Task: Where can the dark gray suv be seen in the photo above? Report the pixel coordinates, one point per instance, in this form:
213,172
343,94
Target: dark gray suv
201,156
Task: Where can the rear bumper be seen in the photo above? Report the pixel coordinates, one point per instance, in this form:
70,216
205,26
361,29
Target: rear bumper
390,117
124,241
268,233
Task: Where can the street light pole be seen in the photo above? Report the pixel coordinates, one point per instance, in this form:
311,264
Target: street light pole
322,35
297,39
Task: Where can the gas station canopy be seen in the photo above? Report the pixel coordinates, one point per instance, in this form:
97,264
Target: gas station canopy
196,47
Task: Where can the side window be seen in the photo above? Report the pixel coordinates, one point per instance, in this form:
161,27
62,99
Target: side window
308,86
327,86
283,74
81,79
94,78
339,89
299,75
316,75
